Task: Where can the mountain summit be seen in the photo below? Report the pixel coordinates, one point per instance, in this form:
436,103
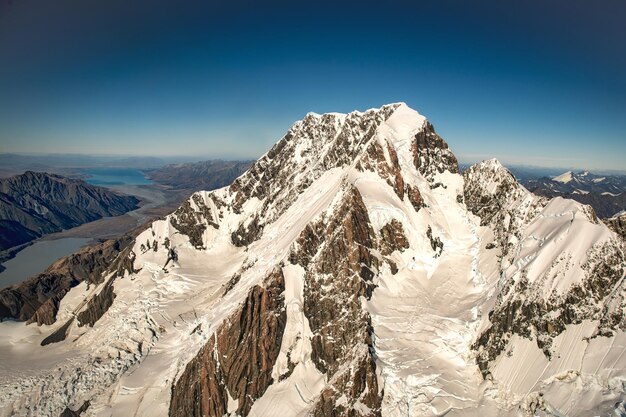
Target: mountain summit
352,270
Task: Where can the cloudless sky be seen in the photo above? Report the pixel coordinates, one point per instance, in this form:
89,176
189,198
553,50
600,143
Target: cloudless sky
534,82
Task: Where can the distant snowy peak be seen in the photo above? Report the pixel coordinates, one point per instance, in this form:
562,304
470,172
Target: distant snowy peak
564,178
605,193
581,178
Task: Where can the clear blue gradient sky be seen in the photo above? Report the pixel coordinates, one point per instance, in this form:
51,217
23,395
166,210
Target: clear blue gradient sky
537,82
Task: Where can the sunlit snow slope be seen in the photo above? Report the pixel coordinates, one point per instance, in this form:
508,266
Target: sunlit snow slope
351,271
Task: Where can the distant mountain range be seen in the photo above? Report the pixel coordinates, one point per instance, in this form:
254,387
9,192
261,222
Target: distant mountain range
196,176
605,193
36,203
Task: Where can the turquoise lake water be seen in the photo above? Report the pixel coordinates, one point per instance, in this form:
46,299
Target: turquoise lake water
36,258
116,176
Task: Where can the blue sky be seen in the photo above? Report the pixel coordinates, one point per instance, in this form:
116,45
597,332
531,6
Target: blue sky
537,83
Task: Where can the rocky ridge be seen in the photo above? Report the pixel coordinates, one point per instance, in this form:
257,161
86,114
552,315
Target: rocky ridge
36,203
540,292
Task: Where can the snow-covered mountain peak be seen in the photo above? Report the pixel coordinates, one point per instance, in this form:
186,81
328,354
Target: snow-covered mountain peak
492,166
384,109
491,177
319,143
564,177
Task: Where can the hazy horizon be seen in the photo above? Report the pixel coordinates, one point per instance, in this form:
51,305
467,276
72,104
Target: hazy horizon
179,159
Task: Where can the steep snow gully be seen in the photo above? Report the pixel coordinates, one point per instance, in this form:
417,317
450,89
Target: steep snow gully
425,318
351,271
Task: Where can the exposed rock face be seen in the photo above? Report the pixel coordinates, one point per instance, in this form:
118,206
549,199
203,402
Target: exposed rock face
194,216
415,197
337,255
246,234
383,161
617,224
237,360
431,153
75,413
37,299
47,313
97,305
357,382
435,243
37,203
492,193
393,237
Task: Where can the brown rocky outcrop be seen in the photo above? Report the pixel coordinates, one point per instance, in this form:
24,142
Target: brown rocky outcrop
435,243
59,334
97,306
617,224
246,234
352,384
393,238
238,359
68,412
47,312
339,263
190,222
374,160
415,197
44,291
431,154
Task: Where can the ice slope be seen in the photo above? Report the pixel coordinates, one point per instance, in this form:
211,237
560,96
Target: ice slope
586,377
425,316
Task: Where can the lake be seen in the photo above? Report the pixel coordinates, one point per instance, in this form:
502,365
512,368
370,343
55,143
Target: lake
116,176
37,257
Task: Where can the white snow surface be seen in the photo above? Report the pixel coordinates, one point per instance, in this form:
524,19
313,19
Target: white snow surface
425,317
564,178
